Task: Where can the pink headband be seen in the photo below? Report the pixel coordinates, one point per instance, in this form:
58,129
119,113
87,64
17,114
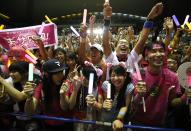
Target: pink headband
109,65
99,72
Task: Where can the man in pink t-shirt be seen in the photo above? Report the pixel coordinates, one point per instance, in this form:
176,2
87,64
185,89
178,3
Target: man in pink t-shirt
159,87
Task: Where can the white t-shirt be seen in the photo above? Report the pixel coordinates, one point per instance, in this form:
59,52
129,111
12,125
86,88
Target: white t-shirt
132,57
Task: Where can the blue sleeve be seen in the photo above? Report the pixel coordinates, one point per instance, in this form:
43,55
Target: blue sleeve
129,88
104,86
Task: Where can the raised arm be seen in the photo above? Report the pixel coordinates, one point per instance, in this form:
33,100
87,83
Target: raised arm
15,94
155,12
91,26
38,41
168,26
107,12
83,42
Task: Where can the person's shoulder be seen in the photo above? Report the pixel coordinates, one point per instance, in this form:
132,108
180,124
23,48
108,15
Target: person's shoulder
169,72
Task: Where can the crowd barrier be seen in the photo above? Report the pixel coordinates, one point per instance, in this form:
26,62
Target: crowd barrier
44,117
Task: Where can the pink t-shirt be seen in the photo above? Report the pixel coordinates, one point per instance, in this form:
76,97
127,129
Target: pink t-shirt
54,108
160,88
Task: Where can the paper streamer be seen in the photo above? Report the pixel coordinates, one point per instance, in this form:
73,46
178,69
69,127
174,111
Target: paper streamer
91,81
189,26
31,54
30,74
8,62
48,19
108,91
30,59
2,27
41,29
176,21
4,16
75,31
140,79
84,17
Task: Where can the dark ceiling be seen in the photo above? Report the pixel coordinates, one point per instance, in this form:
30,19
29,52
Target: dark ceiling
31,12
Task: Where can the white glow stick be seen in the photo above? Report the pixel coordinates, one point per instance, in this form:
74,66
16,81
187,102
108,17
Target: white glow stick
75,31
144,107
41,28
30,74
84,17
106,1
140,79
138,71
186,19
108,91
91,81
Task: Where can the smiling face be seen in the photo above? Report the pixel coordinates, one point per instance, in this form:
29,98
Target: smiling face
95,55
60,56
156,55
122,48
172,64
117,80
118,76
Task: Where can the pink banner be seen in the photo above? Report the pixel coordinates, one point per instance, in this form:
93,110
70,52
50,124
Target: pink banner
22,36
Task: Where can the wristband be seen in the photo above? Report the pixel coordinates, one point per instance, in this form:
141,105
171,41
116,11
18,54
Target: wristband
121,114
107,23
148,24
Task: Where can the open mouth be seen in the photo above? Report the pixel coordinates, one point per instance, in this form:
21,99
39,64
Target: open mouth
123,50
158,61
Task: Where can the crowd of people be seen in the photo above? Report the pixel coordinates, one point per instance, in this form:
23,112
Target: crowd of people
139,73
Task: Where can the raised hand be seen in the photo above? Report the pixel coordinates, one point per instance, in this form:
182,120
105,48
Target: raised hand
107,11
76,80
155,11
92,19
28,88
168,23
141,88
64,88
37,40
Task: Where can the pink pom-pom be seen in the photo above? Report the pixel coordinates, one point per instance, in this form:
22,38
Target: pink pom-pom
122,64
99,72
